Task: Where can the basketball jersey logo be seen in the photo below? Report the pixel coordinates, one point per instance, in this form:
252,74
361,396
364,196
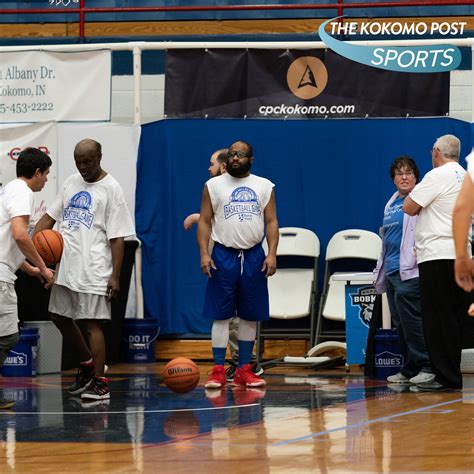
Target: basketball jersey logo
244,202
78,211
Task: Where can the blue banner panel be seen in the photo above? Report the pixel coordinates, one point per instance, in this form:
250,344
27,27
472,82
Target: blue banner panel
329,175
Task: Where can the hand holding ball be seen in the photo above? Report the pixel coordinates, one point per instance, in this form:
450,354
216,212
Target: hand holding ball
49,244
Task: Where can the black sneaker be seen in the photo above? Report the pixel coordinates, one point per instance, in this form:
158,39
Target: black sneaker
6,404
256,368
230,372
84,377
98,389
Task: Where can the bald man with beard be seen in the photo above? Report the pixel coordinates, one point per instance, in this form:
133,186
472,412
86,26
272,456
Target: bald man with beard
93,219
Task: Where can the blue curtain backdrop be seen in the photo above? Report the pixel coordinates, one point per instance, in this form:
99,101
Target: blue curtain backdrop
329,175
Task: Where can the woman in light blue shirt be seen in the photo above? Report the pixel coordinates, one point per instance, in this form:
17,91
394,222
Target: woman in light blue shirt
397,275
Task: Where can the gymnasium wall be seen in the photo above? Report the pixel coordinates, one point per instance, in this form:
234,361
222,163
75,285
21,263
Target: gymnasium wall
329,175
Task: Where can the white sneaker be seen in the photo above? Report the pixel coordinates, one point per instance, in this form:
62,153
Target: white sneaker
398,378
422,377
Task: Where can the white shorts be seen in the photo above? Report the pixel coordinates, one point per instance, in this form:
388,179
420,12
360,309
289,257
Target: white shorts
75,305
8,309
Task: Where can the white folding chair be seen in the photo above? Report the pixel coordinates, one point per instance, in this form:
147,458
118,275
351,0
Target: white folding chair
293,291
358,247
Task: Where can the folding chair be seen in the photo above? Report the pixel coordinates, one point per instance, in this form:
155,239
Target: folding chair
358,251
293,291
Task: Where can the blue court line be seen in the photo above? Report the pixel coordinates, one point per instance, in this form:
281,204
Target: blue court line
13,412
369,422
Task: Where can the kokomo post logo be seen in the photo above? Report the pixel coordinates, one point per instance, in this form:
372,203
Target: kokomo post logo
425,58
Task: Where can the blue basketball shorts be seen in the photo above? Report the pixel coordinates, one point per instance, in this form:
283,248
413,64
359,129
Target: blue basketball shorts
238,286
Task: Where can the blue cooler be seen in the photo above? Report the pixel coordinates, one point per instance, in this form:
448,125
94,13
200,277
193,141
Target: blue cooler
387,353
21,360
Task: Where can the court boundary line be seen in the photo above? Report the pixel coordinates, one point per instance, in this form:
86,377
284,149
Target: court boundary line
122,412
368,422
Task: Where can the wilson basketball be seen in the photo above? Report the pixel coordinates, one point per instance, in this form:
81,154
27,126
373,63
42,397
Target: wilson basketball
49,244
181,375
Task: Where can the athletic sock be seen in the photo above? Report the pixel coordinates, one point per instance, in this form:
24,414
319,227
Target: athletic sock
219,355
245,352
88,363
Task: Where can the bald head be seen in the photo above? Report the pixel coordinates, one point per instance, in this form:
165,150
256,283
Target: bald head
87,155
88,147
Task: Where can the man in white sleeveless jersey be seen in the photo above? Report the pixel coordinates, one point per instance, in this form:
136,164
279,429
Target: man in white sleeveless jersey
237,210
462,222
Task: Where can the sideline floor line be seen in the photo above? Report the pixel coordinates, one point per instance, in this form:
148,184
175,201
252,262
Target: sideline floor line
369,422
123,412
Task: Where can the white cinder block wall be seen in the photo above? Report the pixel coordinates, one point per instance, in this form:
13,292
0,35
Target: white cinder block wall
460,95
153,96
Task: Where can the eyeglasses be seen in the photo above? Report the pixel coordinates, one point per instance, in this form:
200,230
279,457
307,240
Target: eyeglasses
408,174
238,154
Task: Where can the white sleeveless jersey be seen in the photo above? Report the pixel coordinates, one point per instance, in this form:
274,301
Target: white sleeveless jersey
238,205
470,164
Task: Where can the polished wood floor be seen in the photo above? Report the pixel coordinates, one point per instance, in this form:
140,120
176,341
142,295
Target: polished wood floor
303,422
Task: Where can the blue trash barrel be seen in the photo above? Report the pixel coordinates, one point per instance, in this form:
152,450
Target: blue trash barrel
138,340
388,357
21,360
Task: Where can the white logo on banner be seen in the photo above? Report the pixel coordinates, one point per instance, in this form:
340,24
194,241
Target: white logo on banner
37,86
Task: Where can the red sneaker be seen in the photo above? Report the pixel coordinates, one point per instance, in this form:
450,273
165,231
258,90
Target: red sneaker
245,377
217,378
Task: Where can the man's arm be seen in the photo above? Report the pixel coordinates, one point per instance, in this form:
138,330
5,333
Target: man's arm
272,234
462,221
19,227
191,220
113,285
410,207
46,222
204,232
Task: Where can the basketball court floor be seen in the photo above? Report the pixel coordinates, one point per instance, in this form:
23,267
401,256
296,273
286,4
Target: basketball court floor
303,422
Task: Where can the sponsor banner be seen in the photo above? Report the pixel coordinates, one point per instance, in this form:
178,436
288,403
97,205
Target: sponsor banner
13,140
295,84
39,86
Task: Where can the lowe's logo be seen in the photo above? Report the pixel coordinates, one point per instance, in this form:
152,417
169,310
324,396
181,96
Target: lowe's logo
16,358
388,359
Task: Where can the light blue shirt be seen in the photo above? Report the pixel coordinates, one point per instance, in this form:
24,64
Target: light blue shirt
392,231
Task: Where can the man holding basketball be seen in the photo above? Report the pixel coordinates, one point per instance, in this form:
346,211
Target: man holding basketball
94,220
235,210
16,207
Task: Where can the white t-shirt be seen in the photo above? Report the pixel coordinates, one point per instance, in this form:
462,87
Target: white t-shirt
16,199
437,193
238,205
89,214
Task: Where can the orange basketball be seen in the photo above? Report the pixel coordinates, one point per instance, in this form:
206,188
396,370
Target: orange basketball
181,375
49,244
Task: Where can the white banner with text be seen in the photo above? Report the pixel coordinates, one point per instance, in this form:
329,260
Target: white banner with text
13,139
40,86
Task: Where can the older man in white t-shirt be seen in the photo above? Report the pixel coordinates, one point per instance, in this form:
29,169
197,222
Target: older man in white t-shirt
443,303
94,220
